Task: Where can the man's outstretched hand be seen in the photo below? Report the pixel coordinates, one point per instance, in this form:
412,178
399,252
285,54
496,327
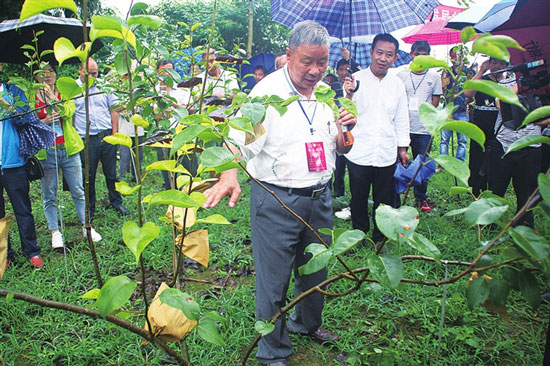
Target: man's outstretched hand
228,185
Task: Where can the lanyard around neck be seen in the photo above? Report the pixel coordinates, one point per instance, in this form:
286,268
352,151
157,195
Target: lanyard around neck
295,92
415,88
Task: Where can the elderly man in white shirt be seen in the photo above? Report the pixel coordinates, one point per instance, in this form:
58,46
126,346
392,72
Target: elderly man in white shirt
295,159
382,133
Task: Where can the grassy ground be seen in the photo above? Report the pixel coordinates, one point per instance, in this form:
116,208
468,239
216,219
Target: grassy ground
376,326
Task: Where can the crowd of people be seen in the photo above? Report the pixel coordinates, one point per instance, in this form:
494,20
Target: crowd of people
295,156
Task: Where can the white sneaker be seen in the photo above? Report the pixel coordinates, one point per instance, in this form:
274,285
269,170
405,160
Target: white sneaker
57,240
344,214
95,235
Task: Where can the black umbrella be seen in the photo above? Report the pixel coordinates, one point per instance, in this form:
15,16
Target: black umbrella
14,34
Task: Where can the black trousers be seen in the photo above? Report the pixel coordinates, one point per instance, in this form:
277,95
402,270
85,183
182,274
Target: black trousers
361,178
339,186
477,157
521,167
16,184
99,150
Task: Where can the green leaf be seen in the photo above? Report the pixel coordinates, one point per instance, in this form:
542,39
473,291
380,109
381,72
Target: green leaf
263,327
138,120
321,256
456,212
68,87
526,141
118,139
477,292
184,136
467,34
138,7
468,129
151,21
499,290
387,269
175,198
397,223
536,115
496,90
544,187
432,117
125,189
533,246
9,297
208,331
215,219
424,62
529,288
324,94
254,111
64,49
106,22
346,241
241,124
495,46
484,211
455,167
348,105
92,294
114,293
137,238
460,190
34,7
424,245
216,156
182,301
167,165
125,34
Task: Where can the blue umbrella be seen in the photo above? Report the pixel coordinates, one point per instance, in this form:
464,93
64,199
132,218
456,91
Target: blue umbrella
484,18
267,60
360,52
362,18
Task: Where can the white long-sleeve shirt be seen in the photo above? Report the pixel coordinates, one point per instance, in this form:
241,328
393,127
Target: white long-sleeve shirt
383,122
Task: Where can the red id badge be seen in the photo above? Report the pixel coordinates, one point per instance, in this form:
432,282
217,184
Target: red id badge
315,152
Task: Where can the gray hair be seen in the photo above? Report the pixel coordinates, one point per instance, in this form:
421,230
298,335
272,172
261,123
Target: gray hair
310,33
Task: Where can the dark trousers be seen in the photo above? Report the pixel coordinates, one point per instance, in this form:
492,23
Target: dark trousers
521,167
419,144
339,174
361,178
278,243
478,158
99,150
163,154
16,184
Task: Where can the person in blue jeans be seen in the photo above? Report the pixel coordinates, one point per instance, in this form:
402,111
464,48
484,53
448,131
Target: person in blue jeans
62,155
461,111
13,175
422,87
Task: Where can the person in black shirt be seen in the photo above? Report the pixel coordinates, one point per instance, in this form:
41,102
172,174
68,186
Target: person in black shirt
484,116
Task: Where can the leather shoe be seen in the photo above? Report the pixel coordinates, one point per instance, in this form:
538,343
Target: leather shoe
322,335
122,210
280,363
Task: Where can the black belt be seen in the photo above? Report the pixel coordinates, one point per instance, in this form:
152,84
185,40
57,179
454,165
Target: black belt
102,134
313,192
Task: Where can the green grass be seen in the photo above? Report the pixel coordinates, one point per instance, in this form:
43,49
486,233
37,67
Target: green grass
376,326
